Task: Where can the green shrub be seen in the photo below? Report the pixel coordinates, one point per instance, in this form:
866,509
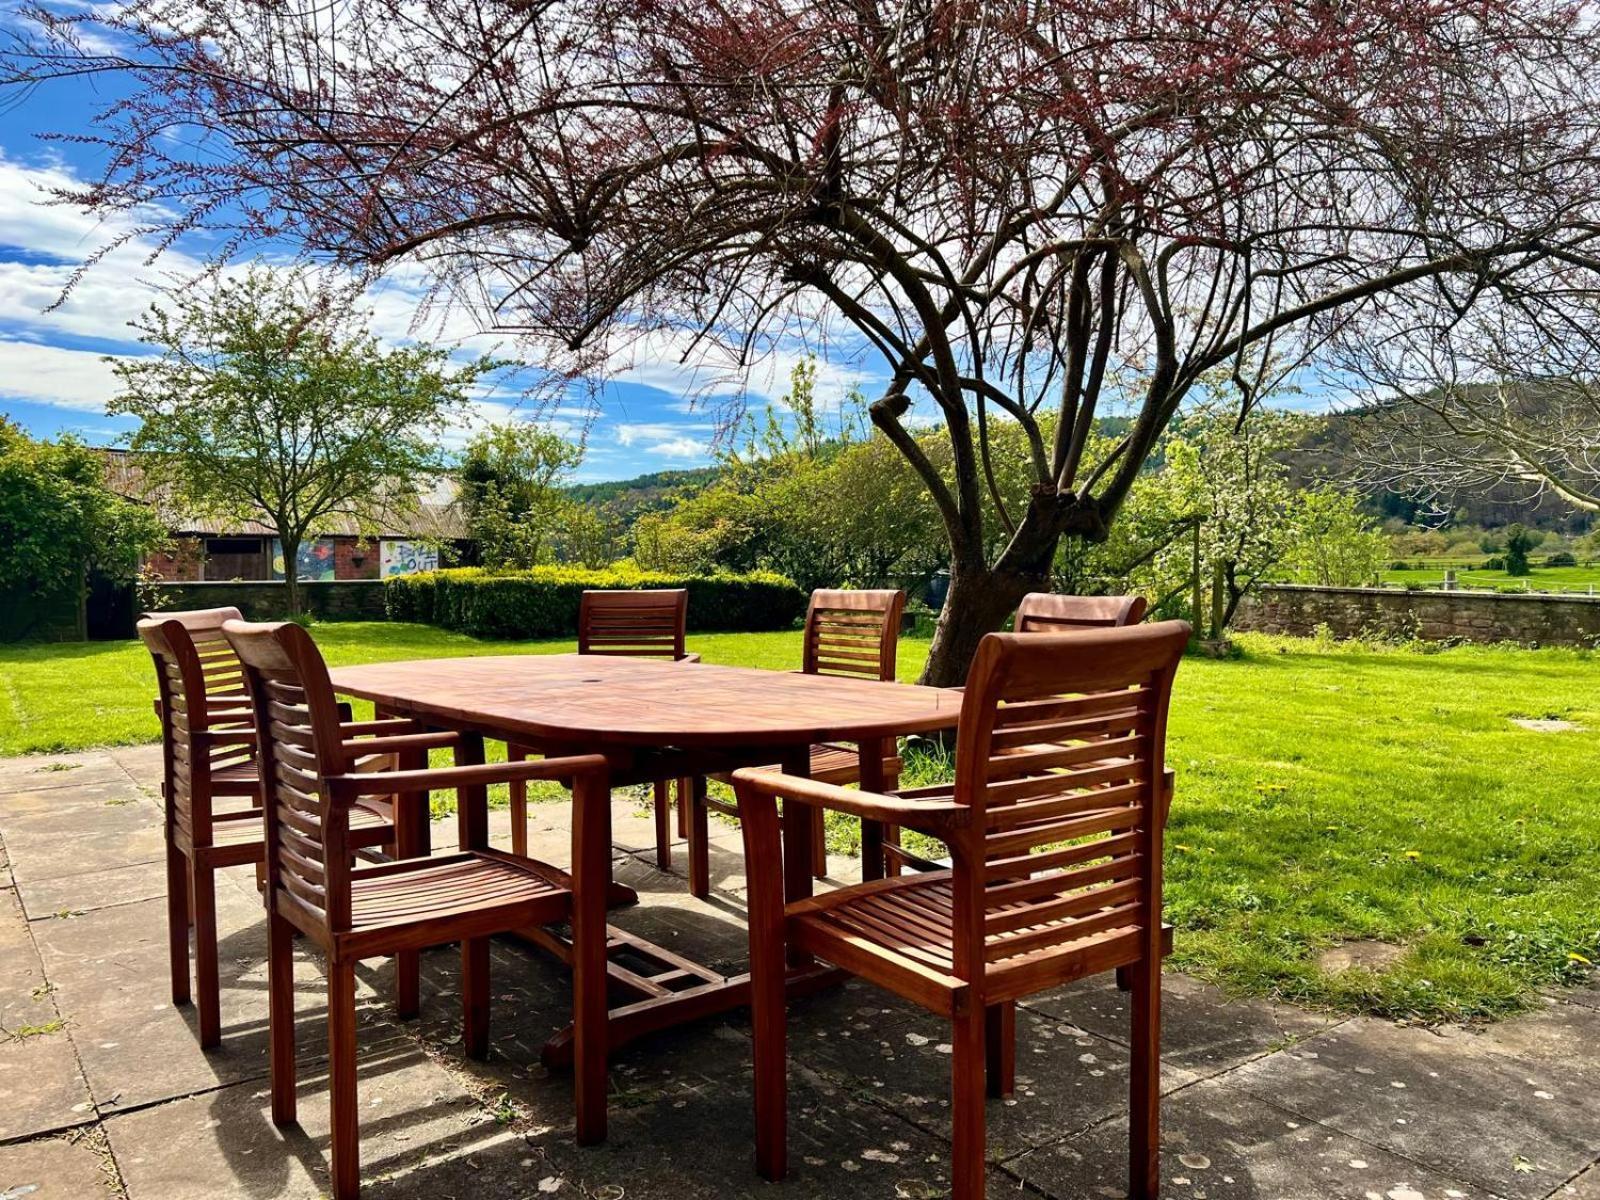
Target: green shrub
543,602
1562,558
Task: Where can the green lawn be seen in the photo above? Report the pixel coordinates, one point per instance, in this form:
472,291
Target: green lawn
1324,794
1558,579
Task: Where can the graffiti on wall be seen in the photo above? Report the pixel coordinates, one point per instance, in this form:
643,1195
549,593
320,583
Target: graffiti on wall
397,557
313,563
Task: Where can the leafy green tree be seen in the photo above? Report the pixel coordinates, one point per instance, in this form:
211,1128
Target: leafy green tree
1332,541
1235,482
818,496
512,478
269,400
58,520
1518,543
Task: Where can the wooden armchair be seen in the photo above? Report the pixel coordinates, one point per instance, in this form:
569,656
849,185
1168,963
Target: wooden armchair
850,633
1054,823
635,624
211,791
319,774
1046,612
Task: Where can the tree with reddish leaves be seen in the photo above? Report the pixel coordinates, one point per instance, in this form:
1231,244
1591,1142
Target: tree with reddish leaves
1036,212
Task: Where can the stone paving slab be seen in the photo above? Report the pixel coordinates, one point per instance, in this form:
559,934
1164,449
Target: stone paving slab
41,1087
72,1167
1517,1127
1264,1101
223,1144
1220,1143
91,890
1067,1078
110,972
34,772
1203,1030
1585,1187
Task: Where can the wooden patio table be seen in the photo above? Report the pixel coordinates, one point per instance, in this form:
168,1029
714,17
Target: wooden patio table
655,720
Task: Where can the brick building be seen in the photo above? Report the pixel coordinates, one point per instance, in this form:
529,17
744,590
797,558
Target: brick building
204,550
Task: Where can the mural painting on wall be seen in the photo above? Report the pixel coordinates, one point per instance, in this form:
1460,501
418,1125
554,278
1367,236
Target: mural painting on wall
313,564
396,557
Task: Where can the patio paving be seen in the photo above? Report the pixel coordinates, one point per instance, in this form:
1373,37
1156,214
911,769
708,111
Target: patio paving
104,1091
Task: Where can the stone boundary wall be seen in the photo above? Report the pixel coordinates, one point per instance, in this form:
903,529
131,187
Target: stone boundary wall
263,600
1431,615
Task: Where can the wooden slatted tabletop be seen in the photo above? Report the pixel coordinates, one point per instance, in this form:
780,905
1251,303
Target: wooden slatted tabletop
688,719
600,701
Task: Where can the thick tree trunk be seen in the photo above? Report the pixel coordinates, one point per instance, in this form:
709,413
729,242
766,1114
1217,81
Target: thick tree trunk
979,601
291,575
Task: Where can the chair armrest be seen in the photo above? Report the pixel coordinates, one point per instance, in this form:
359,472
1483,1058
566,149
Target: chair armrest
930,816
399,742
345,788
387,725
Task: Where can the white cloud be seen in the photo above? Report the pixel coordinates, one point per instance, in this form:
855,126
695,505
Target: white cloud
680,447
80,380
638,433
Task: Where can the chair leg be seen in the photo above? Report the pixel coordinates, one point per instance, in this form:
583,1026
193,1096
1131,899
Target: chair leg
475,996
1000,1047
178,922
699,841
345,1137
819,845
685,786
519,804
407,984
663,814
768,1018
280,1017
208,987
966,1107
1144,1098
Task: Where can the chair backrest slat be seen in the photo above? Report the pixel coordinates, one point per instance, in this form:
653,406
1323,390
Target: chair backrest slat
200,688
297,722
1046,612
637,624
853,633
1061,757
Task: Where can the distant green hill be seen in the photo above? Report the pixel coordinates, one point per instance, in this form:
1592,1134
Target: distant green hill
628,499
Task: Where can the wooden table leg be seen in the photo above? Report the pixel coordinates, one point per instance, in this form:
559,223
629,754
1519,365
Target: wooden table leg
699,840
472,801
519,803
872,832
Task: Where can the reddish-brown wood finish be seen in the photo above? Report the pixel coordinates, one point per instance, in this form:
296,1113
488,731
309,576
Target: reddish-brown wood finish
1046,612
625,624
317,775
655,720
1054,824
634,704
851,635
211,791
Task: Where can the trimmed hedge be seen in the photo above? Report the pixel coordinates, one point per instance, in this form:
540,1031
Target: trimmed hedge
543,602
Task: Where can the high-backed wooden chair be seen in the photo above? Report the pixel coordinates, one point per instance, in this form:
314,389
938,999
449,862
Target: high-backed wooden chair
850,633
633,624
211,791
1054,824
318,774
1046,612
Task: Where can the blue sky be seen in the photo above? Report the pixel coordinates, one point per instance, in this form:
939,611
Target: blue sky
651,415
